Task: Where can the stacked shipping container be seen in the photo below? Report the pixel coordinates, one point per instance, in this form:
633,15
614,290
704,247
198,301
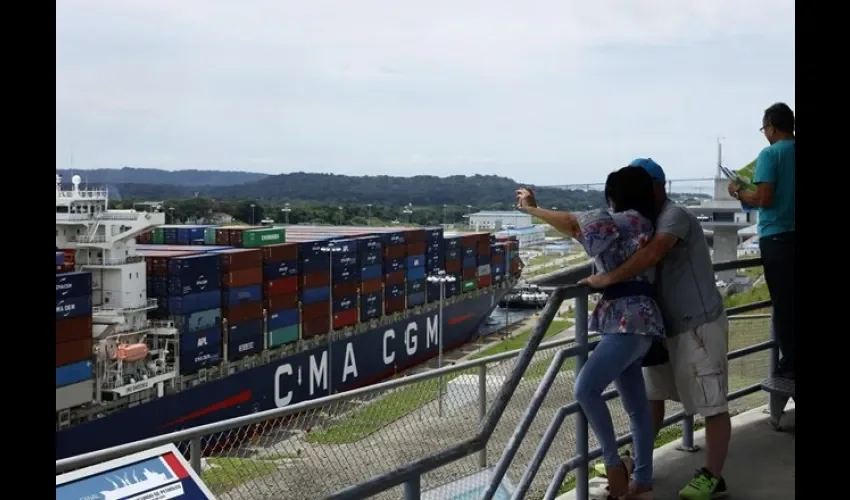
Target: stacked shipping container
314,283
249,236
194,305
395,266
242,301
416,246
280,293
74,333
370,262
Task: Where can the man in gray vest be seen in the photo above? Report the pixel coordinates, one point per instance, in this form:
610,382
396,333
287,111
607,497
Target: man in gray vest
697,330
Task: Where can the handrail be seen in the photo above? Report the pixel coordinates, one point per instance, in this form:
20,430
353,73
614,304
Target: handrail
411,472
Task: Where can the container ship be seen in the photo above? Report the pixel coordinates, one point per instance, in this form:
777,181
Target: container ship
164,327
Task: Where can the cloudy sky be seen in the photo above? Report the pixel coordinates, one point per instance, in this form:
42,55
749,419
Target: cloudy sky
543,91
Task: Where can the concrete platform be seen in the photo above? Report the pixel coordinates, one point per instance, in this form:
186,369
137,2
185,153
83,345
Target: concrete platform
760,466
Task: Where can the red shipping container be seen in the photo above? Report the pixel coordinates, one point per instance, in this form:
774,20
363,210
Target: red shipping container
242,277
416,248
395,278
483,237
316,279
280,252
394,304
453,266
469,241
371,286
222,236
318,326
484,249
345,318
241,313
343,289
484,281
498,259
414,236
281,302
73,352
68,330
240,258
469,273
65,268
70,255
395,251
282,286
316,310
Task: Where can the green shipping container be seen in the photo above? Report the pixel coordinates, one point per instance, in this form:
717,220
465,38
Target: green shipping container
209,235
469,285
283,335
158,236
254,238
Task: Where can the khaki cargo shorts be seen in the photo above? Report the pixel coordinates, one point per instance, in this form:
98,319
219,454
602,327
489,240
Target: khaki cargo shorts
697,375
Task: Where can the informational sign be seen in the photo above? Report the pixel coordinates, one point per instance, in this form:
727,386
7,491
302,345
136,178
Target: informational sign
470,488
157,474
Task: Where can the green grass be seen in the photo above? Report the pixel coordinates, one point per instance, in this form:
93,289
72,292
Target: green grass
753,273
665,436
755,294
228,473
543,259
519,340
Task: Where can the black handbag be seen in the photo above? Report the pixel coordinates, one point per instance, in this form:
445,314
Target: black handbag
656,355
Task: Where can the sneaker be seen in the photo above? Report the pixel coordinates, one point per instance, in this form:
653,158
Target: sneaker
704,486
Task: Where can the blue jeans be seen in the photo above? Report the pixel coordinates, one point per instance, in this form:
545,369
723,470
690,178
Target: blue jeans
617,359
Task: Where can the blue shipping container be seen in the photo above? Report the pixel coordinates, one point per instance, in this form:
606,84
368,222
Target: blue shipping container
316,294
346,274
194,264
393,265
431,267
371,258
370,272
452,254
73,307
282,319
314,265
417,299
452,243
344,259
497,269
415,286
73,373
497,249
199,339
433,234
197,321
193,359
310,249
393,291
469,252
239,332
190,281
188,304
277,270
369,244
157,286
60,258
343,304
416,273
483,259
234,296
393,238
371,306
469,262
348,246
415,261
72,285
245,346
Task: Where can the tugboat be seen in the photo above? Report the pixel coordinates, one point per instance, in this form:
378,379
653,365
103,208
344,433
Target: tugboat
524,297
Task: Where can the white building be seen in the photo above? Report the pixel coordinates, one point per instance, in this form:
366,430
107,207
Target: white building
526,236
495,220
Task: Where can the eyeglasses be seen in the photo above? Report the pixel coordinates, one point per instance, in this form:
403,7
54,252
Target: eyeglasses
762,129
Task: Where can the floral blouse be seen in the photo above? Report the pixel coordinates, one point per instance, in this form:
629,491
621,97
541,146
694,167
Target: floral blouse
610,239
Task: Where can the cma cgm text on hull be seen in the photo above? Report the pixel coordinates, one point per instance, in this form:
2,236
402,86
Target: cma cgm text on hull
359,360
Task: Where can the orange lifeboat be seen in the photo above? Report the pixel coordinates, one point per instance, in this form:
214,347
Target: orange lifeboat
132,352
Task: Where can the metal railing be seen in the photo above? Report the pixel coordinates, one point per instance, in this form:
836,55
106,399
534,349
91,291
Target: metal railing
314,449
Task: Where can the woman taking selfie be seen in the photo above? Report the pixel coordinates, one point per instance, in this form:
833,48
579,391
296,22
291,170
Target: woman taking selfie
627,318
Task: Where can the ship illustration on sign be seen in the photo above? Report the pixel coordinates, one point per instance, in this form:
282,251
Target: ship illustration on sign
124,486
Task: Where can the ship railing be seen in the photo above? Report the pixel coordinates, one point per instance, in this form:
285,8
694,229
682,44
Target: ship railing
120,261
72,217
149,304
119,216
83,194
393,437
82,238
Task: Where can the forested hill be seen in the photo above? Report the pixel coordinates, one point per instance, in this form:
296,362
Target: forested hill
195,178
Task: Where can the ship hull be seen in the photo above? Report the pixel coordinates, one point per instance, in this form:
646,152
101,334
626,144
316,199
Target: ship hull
357,361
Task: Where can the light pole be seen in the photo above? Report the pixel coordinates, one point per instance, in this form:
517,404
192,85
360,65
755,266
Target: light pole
442,278
253,208
409,211
286,211
340,215
368,214
444,213
469,215
171,211
330,249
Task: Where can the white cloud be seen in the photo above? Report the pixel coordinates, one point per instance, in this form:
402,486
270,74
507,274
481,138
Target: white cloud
451,86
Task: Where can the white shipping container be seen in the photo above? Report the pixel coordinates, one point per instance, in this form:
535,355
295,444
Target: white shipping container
484,270
74,394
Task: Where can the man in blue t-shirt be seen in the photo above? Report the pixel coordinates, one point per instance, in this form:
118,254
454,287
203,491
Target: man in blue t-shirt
775,198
